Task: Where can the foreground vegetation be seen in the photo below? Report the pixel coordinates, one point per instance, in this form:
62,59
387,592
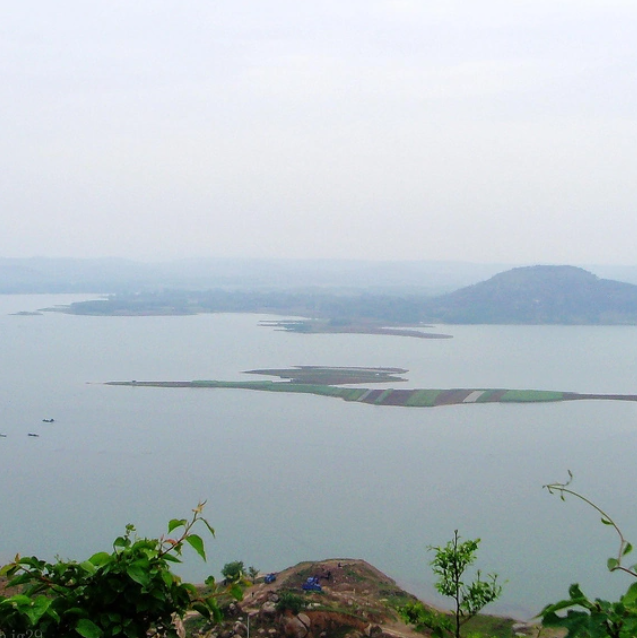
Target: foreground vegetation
469,598
596,618
127,592
132,592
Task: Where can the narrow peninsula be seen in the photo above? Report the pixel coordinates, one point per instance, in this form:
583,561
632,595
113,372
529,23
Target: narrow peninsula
327,381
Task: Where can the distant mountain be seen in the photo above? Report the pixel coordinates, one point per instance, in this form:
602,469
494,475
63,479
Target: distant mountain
538,295
344,291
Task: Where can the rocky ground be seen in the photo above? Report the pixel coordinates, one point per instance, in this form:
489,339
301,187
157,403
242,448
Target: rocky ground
356,601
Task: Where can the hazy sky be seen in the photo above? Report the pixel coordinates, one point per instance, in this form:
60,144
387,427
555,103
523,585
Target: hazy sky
479,130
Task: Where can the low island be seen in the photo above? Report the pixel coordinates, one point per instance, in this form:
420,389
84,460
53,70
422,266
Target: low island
328,381
336,326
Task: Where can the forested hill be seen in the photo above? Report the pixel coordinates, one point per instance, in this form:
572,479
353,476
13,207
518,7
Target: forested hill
527,295
538,295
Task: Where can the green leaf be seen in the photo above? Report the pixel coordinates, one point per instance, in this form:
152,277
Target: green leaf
88,567
196,543
575,592
20,580
176,522
20,600
202,609
31,561
88,629
168,578
38,609
120,541
236,591
605,521
207,524
612,564
630,596
138,574
213,605
99,559
190,589
552,609
627,549
8,570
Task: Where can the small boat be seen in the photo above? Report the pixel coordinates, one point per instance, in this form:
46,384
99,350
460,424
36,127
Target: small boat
31,434
48,420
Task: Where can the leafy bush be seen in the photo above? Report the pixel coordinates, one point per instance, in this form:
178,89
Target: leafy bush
290,601
415,613
127,592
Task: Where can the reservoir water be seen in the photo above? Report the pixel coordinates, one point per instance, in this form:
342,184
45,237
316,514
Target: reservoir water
298,477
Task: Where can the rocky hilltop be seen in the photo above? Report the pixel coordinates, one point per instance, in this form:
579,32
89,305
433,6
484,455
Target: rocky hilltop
538,295
356,600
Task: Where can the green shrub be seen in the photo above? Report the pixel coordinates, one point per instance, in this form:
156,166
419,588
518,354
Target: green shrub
290,601
127,592
233,572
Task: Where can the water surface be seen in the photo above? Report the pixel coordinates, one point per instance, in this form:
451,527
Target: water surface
298,477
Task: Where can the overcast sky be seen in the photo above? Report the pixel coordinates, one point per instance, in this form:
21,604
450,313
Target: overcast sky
476,130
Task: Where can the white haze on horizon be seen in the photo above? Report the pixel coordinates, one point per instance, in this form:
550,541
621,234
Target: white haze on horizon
382,130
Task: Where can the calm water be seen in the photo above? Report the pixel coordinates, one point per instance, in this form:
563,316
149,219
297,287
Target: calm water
291,478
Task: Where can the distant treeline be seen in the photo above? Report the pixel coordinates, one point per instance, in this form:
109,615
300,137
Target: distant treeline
342,308
529,295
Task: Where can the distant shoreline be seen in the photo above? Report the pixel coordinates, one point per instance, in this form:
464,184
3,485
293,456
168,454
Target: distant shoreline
314,326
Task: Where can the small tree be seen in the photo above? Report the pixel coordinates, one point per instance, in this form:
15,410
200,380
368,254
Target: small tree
253,573
234,571
450,565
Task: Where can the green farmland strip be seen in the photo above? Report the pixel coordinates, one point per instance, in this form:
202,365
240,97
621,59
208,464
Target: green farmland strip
410,398
423,398
249,385
383,396
530,396
352,394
